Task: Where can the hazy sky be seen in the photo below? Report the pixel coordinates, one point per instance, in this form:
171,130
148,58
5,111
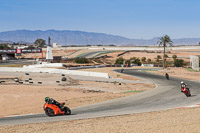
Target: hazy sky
135,19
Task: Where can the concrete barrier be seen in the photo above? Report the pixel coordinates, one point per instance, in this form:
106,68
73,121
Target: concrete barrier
86,67
44,64
147,65
53,70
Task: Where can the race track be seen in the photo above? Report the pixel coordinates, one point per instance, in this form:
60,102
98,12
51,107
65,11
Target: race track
165,96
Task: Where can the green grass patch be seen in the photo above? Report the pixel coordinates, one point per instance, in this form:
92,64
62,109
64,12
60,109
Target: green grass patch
148,70
13,65
131,91
118,75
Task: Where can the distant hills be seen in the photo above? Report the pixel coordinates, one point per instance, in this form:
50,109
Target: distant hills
67,37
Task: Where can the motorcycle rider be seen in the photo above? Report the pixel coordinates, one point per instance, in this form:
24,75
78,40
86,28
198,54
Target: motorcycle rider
183,85
167,76
52,101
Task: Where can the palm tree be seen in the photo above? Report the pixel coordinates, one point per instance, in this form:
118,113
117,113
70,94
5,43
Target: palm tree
174,57
164,41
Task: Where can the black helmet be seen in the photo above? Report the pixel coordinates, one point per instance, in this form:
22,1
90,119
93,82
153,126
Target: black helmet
46,99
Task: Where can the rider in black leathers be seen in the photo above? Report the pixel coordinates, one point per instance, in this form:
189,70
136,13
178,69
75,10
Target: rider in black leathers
167,76
52,101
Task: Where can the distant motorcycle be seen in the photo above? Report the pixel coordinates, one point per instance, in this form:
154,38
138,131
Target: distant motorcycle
53,110
186,91
167,76
122,70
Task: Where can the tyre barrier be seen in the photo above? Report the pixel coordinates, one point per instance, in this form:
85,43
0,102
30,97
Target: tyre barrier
157,65
26,73
16,79
64,79
118,65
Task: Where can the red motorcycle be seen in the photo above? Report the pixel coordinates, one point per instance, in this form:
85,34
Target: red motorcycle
53,110
186,91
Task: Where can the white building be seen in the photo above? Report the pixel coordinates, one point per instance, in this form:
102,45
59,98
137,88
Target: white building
55,45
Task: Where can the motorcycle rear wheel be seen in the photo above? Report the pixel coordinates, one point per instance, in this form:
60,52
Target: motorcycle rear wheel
49,112
67,111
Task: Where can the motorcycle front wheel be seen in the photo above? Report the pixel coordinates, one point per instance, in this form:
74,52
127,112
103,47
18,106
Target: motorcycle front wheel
49,112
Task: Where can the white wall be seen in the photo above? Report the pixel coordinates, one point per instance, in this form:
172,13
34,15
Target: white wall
52,70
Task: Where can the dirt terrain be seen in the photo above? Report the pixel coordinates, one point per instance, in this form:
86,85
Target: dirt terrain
170,121
73,92
175,120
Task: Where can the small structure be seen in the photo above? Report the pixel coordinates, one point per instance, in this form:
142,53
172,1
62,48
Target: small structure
55,45
5,57
49,54
194,62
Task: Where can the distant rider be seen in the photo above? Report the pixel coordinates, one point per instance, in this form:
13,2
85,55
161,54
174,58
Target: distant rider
52,101
167,76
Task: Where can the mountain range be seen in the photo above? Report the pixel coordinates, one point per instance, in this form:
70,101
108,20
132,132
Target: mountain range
67,37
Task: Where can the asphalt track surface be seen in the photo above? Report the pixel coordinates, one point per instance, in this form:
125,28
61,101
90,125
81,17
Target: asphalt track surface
94,54
21,61
166,95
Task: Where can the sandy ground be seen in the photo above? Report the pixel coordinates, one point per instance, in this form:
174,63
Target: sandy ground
111,73
170,121
73,92
175,120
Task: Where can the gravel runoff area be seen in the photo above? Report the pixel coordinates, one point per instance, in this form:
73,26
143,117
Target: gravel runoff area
170,121
175,120
29,92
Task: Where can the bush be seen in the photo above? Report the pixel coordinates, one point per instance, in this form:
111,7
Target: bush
199,61
178,62
143,59
166,56
4,46
158,58
120,60
81,60
136,61
128,62
174,57
149,61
